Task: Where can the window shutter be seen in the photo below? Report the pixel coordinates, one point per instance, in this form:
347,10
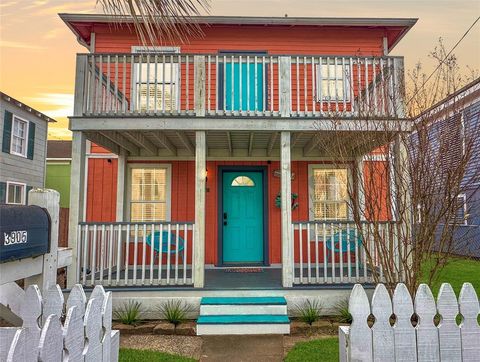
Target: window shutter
7,132
31,140
26,194
3,192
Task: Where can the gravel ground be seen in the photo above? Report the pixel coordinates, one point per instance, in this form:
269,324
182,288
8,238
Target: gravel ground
181,345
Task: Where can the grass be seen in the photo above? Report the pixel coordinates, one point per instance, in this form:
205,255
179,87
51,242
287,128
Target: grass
324,350
141,355
456,272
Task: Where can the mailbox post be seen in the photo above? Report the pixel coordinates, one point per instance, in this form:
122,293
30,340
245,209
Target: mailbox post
50,200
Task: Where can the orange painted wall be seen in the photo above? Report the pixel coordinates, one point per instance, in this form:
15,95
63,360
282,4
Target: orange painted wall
377,194
101,189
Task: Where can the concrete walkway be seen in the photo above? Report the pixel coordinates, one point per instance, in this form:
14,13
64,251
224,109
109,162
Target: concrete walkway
242,348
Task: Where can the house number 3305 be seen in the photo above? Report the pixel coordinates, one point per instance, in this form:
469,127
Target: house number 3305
15,237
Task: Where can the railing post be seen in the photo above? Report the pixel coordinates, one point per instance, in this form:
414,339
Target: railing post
76,202
286,208
199,85
285,91
199,234
398,88
79,97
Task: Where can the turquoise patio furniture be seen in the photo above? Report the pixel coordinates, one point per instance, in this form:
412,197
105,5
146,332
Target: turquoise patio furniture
349,241
174,248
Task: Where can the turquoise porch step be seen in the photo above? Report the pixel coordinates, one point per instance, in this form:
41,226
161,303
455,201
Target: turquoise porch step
244,319
243,301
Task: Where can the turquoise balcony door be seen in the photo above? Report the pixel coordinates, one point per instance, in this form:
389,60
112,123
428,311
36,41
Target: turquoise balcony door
243,217
242,85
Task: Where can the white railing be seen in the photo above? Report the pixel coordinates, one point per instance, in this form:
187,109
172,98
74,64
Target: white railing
83,333
414,336
135,254
339,251
241,85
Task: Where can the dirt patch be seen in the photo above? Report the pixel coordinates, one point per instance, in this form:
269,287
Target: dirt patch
188,346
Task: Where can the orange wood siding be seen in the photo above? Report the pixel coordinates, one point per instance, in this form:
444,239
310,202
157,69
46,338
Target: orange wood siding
101,189
377,194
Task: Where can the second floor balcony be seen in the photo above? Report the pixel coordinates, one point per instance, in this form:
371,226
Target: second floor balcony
239,85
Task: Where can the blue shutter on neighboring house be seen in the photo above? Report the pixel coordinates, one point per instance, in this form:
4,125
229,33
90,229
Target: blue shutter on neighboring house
3,192
31,140
7,132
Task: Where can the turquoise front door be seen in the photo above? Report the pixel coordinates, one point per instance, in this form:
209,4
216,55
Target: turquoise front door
242,217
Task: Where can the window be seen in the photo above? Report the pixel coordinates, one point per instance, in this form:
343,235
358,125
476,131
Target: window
157,79
149,200
460,217
243,181
329,194
16,193
19,140
334,81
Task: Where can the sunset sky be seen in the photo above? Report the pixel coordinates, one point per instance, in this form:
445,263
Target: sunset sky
37,50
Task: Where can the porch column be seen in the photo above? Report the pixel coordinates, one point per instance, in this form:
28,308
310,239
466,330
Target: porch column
286,207
121,176
77,183
199,234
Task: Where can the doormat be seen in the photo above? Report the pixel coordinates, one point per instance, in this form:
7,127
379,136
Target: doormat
243,270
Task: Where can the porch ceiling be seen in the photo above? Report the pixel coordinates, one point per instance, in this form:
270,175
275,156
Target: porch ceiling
265,144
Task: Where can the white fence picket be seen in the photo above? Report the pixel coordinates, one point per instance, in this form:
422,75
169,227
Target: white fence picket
469,329
404,332
382,332
52,302
85,336
428,349
50,350
73,336
404,342
360,332
449,332
31,311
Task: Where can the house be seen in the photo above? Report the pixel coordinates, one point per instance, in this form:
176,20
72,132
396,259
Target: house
59,157
454,124
196,169
23,149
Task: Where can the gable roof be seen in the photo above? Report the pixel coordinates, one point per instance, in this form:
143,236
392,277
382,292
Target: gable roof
25,107
59,149
82,24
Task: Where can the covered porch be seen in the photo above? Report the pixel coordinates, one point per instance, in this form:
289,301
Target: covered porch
299,250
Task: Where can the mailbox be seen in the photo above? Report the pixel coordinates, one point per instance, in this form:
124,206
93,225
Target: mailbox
25,232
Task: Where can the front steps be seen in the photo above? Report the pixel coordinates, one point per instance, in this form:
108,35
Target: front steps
243,315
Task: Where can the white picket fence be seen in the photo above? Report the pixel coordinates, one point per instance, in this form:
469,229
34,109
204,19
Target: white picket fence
446,341
86,333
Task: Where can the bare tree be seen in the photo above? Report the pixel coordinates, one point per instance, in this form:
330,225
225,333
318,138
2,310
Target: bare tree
159,21
409,171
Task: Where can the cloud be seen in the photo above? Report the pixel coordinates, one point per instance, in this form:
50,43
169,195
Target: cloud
19,45
55,105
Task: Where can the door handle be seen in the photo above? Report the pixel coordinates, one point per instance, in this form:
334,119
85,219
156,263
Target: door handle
224,216
224,223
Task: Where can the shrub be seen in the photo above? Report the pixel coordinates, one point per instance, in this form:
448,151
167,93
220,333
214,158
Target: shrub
174,311
129,313
341,312
309,311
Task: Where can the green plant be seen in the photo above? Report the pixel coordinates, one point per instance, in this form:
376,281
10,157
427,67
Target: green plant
174,311
129,313
309,311
341,312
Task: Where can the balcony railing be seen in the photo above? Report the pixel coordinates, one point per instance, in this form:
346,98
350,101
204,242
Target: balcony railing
239,85
341,252
135,254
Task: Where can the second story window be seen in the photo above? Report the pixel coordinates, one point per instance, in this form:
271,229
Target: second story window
156,75
19,140
333,81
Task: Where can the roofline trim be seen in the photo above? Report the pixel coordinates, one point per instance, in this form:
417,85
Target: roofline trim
256,20
26,107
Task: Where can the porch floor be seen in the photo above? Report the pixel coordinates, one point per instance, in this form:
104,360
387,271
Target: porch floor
269,278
